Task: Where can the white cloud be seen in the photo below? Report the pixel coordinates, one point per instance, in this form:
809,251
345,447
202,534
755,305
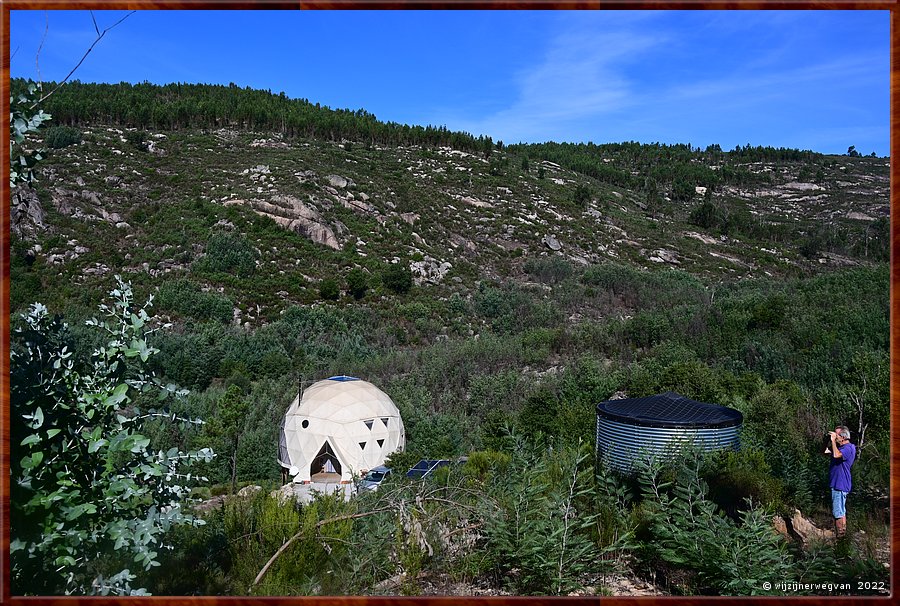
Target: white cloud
597,79
788,82
580,76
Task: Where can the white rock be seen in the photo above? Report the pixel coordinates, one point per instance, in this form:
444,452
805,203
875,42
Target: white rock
338,181
551,242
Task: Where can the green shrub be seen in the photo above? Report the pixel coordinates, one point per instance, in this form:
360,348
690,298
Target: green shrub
549,270
646,329
538,415
736,476
581,197
536,344
192,358
481,464
511,310
357,284
614,277
537,532
457,306
437,436
682,190
198,561
707,215
769,313
660,289
228,253
497,429
397,278
687,534
261,353
694,380
137,139
413,311
186,298
58,137
239,379
401,461
328,290
495,391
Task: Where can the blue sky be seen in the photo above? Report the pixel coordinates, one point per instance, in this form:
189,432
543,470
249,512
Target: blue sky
807,79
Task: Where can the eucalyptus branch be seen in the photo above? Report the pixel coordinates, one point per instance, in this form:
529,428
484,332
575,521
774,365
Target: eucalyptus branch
37,56
87,52
97,29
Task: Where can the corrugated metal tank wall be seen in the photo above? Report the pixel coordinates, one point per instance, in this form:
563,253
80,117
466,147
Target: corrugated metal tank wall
620,444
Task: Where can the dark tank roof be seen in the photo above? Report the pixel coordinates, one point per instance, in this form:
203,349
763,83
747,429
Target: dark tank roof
669,410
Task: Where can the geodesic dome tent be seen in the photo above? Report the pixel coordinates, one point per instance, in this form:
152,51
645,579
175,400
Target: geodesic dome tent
341,425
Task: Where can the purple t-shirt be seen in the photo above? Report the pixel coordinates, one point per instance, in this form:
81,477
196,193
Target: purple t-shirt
840,468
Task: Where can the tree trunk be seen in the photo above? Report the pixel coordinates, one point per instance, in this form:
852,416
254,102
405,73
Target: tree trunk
234,467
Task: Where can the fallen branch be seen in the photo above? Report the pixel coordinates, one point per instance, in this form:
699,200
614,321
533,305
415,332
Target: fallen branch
288,543
395,504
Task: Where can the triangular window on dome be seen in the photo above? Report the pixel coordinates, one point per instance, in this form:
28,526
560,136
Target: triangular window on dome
380,443
362,445
384,420
369,423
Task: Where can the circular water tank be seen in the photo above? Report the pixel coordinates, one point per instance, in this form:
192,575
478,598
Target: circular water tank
658,426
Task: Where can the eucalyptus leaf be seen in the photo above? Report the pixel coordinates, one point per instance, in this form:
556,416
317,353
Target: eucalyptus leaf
38,418
117,396
31,439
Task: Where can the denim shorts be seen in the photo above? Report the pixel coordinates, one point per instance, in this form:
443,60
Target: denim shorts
838,503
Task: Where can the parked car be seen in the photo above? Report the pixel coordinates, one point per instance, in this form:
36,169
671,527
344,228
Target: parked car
373,479
424,467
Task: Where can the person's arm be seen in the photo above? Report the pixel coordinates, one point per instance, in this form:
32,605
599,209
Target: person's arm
835,451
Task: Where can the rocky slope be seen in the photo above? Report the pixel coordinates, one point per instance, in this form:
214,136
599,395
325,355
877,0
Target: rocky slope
108,206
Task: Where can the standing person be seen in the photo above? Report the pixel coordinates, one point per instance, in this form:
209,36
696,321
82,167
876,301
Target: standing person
843,454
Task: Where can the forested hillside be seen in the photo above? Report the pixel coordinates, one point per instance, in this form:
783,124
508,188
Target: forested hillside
497,293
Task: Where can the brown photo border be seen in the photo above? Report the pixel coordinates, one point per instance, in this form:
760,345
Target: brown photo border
7,5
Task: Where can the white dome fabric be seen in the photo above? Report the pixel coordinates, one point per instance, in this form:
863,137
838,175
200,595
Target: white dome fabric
341,425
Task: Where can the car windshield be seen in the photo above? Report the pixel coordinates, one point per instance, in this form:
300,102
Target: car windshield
375,476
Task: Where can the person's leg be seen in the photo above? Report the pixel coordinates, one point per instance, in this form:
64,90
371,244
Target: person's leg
839,511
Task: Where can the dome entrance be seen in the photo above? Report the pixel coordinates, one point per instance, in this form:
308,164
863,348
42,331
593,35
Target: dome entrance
325,463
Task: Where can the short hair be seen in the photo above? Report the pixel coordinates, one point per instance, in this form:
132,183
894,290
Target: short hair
844,431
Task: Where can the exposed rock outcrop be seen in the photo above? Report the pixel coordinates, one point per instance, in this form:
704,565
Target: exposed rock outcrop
85,205
551,242
429,270
800,529
358,205
664,255
473,201
293,214
339,181
248,491
806,530
26,213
